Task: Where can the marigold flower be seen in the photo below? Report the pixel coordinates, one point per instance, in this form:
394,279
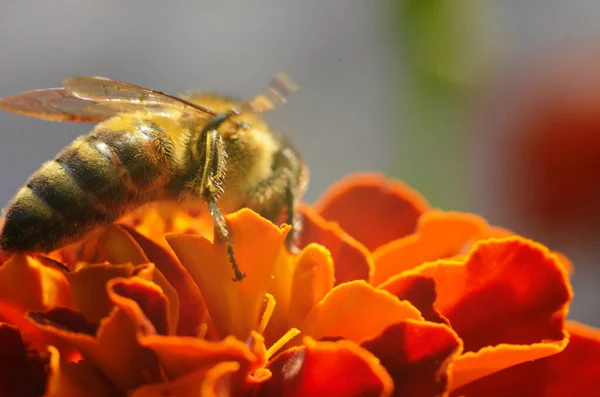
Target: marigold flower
386,297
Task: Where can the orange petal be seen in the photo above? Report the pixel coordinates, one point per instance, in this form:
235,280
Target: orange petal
151,273
326,369
26,282
417,355
234,307
372,209
191,306
506,291
419,291
356,311
472,366
136,294
351,259
181,356
113,348
215,382
69,379
21,374
280,289
573,372
118,247
312,280
88,286
498,232
14,315
219,380
439,235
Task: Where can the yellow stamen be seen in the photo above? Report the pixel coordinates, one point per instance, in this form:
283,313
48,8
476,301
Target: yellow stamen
292,333
267,313
202,331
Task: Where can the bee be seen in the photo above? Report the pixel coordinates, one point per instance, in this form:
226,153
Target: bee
151,146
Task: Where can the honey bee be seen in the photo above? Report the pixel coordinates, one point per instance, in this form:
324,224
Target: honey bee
149,146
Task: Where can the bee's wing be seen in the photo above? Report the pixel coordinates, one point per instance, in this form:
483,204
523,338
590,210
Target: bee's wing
56,104
106,90
276,94
91,99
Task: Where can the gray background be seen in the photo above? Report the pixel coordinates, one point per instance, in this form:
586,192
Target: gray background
341,119
343,54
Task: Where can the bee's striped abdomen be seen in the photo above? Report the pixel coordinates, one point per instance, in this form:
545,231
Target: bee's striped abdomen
90,183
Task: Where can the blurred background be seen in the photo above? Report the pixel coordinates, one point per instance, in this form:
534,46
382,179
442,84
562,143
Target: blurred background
484,106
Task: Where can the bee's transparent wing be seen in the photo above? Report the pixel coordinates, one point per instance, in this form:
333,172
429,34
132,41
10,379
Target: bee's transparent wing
93,99
105,90
280,88
56,104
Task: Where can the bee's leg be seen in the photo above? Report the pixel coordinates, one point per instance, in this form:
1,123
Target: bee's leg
211,188
278,192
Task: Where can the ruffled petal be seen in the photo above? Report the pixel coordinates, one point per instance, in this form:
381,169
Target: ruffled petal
506,291
114,347
573,372
439,235
472,366
219,380
30,285
352,260
151,273
69,379
21,372
143,301
116,246
215,382
372,209
184,356
90,296
88,286
344,310
419,291
340,369
417,355
191,306
14,315
234,307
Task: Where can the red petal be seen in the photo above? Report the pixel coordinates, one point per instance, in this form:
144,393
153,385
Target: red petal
326,369
351,259
507,291
418,290
31,285
191,306
439,235
148,297
472,366
574,372
15,315
180,356
114,348
66,319
88,286
417,355
69,379
21,374
215,382
372,209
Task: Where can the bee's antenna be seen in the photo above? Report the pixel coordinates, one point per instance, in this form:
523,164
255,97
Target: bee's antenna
276,94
